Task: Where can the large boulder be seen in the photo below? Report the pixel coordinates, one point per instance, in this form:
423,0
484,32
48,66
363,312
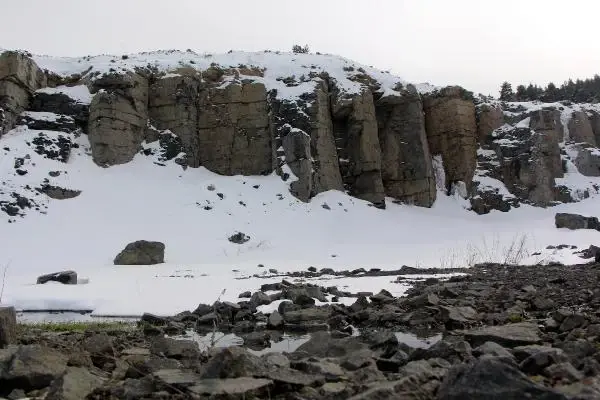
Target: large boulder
509,335
407,170
141,252
19,78
587,160
64,277
30,367
452,132
357,139
233,127
580,128
575,221
173,105
304,130
118,117
489,118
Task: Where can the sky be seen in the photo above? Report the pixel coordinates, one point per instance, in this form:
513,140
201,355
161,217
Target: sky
473,43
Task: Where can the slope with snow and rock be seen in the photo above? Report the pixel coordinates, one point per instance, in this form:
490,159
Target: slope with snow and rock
318,160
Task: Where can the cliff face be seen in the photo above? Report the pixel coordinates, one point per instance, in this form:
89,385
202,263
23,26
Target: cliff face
336,126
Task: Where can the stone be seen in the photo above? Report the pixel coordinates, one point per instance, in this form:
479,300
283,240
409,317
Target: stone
491,378
577,350
118,117
175,348
452,133
46,121
321,344
357,139
58,193
275,320
141,252
61,104
537,362
260,299
573,321
288,376
100,347
232,362
580,128
242,387
587,160
489,118
575,221
8,326
457,317
32,367
64,277
257,340
176,377
75,384
564,372
509,335
406,167
494,350
233,130
308,314
239,238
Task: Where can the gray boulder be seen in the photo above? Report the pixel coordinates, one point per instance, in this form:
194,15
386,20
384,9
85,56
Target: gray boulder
575,221
64,277
141,252
31,367
8,326
75,384
509,335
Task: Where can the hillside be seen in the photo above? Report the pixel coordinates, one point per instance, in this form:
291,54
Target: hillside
320,161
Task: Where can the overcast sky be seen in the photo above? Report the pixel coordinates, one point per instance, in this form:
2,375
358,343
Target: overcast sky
473,43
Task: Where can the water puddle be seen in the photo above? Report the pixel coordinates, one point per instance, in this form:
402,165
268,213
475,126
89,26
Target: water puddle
417,342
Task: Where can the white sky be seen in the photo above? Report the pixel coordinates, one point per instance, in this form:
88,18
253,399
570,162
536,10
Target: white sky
473,43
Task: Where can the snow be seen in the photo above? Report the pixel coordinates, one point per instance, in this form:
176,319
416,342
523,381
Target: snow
79,93
43,116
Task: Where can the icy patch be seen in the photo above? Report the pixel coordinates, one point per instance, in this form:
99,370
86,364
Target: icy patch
79,93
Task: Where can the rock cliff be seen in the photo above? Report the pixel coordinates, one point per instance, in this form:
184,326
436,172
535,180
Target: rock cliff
320,122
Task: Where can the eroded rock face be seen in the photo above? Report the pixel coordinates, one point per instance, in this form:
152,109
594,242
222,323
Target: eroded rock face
580,129
407,171
118,117
233,127
587,160
357,140
173,105
19,78
489,118
452,133
594,118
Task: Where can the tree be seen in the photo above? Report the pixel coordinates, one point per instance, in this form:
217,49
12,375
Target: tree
521,93
551,94
506,92
297,49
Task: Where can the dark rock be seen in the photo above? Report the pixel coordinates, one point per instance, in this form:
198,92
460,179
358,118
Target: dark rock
536,363
287,306
577,350
304,300
563,372
245,295
509,335
307,315
489,378
8,326
64,277
58,193
232,362
259,299
141,252
257,340
572,321
30,367
75,384
203,309
576,221
239,238
275,320
232,388
321,344
101,349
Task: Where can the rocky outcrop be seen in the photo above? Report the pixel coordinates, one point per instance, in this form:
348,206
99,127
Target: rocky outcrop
452,132
233,128
407,170
61,104
141,252
489,118
118,117
357,140
19,78
594,118
575,221
173,105
587,160
303,129
580,129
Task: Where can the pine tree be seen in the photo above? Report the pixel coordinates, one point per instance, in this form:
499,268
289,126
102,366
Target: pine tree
506,92
551,93
521,93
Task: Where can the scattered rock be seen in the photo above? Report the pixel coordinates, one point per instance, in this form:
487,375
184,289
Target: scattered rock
64,277
576,221
239,238
509,335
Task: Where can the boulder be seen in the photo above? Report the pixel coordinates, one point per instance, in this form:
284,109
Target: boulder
141,252
64,277
31,367
489,118
75,384
233,128
232,388
8,326
174,348
452,132
19,78
580,128
357,140
587,160
321,344
118,117
509,335
406,167
490,378
239,238
575,221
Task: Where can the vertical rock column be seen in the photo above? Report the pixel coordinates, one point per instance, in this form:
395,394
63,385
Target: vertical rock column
118,117
452,133
407,170
357,140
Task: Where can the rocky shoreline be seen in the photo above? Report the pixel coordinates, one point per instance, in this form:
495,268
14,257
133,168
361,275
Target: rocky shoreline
504,332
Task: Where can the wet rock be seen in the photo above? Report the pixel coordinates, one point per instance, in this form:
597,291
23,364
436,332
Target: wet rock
509,335
257,340
64,277
307,315
321,344
490,378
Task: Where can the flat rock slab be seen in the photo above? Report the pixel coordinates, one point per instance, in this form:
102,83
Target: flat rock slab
64,277
510,335
8,326
232,386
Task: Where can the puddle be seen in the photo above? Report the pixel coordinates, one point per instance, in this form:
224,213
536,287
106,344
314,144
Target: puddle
288,343
417,342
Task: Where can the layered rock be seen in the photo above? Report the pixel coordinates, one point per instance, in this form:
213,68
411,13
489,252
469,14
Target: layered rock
61,104
452,132
357,141
406,167
173,105
233,128
19,78
594,118
118,117
304,131
587,160
580,129
489,118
